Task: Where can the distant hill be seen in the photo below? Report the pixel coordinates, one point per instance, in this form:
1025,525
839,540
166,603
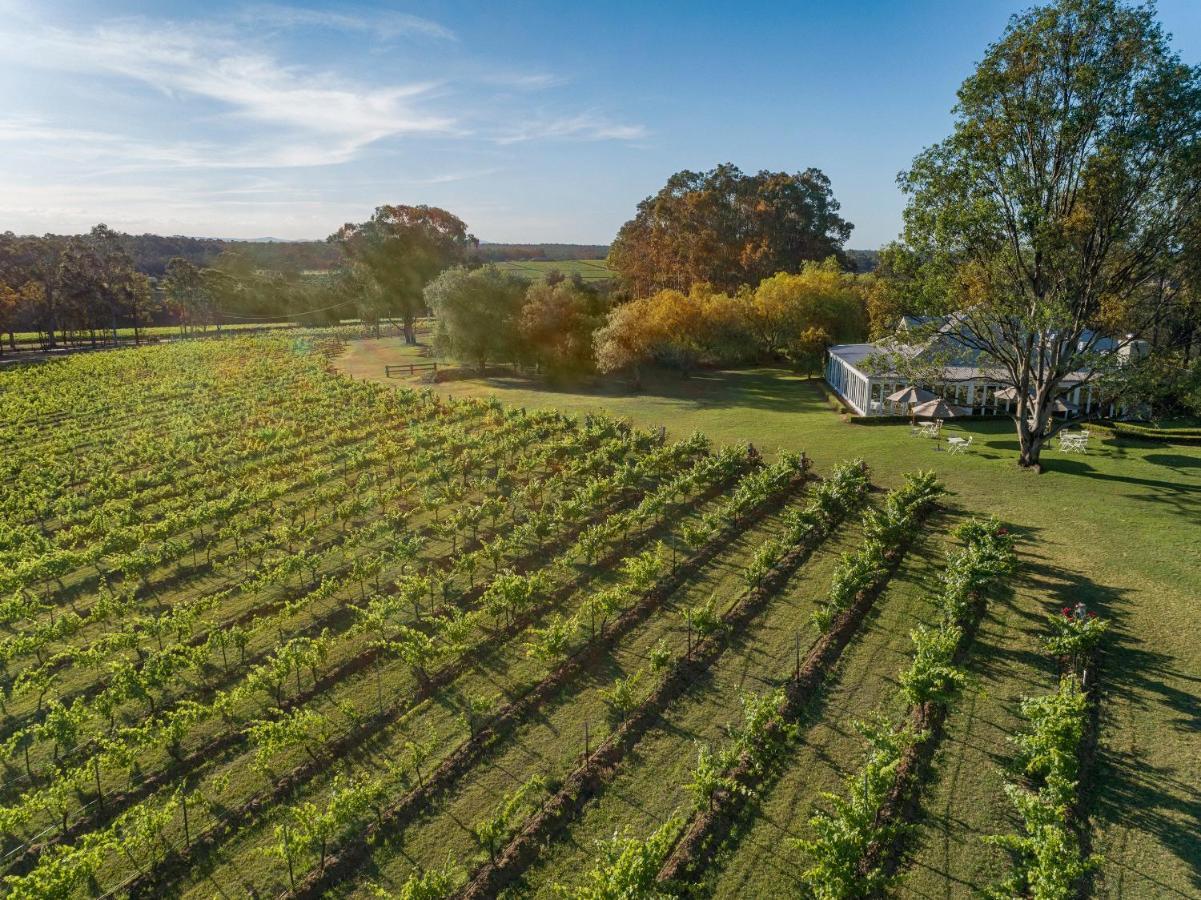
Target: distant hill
152,252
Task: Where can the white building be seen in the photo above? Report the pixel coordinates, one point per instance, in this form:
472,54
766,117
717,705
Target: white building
965,383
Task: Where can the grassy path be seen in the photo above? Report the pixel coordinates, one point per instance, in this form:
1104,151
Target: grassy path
759,861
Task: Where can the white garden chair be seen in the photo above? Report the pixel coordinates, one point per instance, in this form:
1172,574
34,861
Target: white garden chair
1073,441
959,445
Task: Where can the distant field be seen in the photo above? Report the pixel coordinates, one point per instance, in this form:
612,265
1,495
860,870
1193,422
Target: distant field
31,337
588,269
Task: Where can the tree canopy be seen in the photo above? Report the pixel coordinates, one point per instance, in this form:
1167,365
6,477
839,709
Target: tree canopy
791,316
400,250
478,312
727,229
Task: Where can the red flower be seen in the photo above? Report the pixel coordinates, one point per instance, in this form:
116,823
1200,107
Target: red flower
1067,612
1092,615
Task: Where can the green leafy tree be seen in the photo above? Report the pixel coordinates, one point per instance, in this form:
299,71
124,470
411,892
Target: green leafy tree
478,311
401,249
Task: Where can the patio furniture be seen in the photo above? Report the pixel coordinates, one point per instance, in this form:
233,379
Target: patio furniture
930,429
1073,441
959,444
938,409
907,397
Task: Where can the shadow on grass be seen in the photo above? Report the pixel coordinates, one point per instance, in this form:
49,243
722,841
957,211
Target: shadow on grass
1131,793
769,389
1125,791
1183,498
1177,461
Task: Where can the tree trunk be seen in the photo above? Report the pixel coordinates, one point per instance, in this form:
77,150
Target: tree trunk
1030,439
410,329
1031,449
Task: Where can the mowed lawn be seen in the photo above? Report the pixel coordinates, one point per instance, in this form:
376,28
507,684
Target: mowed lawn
1119,528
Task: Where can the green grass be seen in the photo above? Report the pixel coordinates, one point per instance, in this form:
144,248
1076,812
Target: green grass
864,682
1117,528
588,269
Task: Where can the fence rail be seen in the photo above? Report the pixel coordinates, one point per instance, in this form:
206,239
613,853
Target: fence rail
412,368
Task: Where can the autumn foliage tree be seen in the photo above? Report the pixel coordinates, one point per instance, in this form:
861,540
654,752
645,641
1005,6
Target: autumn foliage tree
556,325
793,316
727,229
819,299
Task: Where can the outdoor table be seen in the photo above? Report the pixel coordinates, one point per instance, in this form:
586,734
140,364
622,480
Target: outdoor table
1073,443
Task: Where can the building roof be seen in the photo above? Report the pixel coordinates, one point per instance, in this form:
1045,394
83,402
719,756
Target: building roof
854,354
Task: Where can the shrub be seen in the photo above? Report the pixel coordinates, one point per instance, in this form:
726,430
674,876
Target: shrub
703,619
1050,861
1073,637
933,675
709,776
627,867
622,697
851,826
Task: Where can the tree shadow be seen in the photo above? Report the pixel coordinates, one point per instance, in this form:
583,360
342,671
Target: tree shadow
1124,790
1183,498
1179,462
768,388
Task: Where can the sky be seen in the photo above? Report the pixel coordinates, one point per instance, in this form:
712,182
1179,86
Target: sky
532,122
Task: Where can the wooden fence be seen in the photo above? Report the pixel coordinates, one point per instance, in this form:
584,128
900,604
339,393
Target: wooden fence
411,368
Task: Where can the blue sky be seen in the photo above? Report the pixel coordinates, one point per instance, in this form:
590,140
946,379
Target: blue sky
531,121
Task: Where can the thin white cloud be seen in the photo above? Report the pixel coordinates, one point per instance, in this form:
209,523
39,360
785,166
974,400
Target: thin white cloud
523,81
385,25
187,62
111,154
580,127
192,114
